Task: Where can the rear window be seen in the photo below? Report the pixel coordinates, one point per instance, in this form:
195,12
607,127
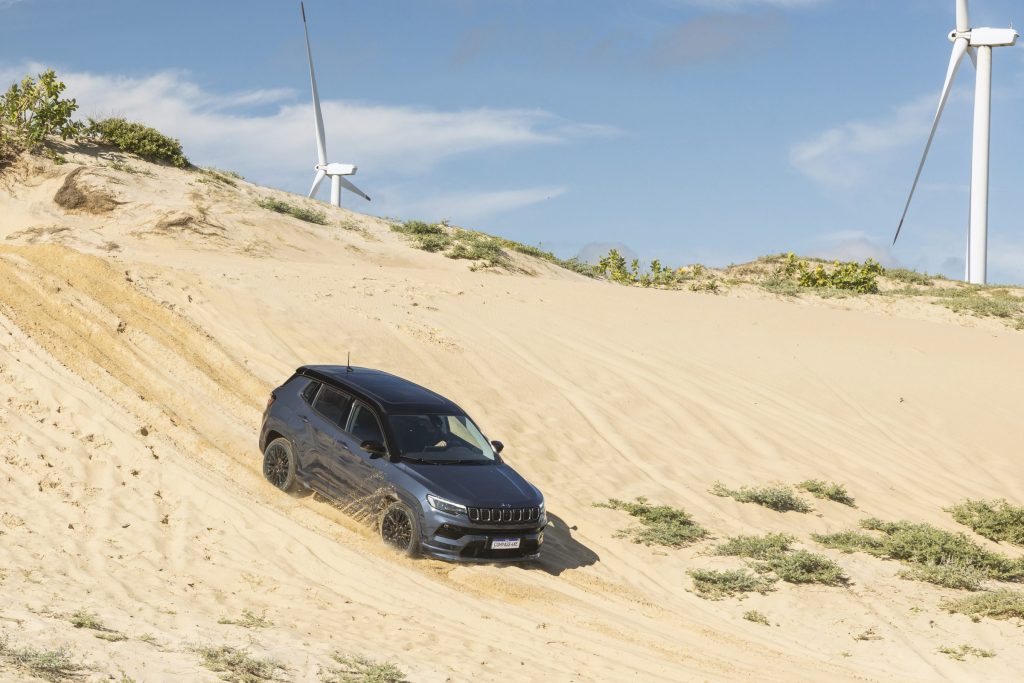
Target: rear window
333,405
310,391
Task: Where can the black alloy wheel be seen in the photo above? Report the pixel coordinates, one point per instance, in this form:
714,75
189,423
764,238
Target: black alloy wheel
398,528
279,464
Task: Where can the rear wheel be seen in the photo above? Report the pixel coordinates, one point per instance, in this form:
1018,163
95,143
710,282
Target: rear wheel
400,529
279,464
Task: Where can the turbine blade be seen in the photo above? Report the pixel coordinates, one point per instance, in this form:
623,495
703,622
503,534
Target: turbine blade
959,49
318,118
963,16
320,175
352,188
973,54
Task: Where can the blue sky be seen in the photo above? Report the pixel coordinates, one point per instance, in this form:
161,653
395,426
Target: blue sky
686,130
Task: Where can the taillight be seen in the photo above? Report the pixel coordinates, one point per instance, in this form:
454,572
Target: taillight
270,401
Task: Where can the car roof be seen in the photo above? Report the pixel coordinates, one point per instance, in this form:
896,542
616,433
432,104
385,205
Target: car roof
392,394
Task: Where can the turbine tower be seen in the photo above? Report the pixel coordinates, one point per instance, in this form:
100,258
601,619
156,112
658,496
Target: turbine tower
337,172
978,43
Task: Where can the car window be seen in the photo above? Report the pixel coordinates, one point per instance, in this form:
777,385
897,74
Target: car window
333,405
364,425
309,393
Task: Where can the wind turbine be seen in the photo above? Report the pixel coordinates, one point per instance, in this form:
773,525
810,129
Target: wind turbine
978,43
337,172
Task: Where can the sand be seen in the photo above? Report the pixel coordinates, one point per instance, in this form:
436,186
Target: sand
140,336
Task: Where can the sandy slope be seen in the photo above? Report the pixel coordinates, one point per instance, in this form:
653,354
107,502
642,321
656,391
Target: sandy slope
138,345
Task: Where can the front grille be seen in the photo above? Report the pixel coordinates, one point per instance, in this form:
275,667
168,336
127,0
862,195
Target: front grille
504,515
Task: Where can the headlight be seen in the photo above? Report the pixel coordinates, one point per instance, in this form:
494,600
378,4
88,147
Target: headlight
443,505
541,508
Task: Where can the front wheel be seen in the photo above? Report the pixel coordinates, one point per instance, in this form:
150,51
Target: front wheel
279,464
400,529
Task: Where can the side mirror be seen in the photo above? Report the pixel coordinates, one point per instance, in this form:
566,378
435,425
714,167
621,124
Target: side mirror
498,446
374,448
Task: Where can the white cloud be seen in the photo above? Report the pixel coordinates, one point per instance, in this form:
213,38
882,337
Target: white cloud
278,147
843,157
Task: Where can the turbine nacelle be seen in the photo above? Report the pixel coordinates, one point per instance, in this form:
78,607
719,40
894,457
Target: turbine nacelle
987,37
337,169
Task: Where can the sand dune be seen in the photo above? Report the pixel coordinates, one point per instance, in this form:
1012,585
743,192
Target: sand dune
140,336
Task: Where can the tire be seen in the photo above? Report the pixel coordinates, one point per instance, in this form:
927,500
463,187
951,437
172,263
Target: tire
279,465
400,529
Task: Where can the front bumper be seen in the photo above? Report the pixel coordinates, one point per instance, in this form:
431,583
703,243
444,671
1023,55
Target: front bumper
459,540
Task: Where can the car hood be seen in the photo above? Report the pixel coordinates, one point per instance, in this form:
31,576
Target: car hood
475,485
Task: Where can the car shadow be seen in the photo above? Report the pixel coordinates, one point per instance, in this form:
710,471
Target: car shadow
561,551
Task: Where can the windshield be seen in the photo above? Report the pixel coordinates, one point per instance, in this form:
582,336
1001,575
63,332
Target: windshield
440,439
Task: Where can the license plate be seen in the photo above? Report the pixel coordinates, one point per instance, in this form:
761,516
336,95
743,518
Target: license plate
505,544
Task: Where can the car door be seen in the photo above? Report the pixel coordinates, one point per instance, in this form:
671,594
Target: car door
302,435
331,409
364,470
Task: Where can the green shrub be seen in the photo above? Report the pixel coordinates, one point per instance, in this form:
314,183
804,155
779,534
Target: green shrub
996,520
300,212
32,110
715,584
756,547
926,547
960,653
138,139
827,490
418,228
239,666
474,246
948,574
50,665
802,566
659,524
911,277
779,498
756,617
997,604
354,669
849,276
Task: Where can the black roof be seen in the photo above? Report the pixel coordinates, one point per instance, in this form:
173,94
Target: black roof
392,394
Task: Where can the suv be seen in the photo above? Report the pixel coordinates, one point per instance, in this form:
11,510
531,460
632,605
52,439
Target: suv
434,482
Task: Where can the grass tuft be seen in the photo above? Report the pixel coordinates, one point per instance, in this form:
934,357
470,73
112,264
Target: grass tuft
996,520
960,653
715,584
779,498
50,665
238,666
249,619
756,547
802,566
998,604
827,490
756,617
948,575
942,557
300,212
355,669
659,524
85,619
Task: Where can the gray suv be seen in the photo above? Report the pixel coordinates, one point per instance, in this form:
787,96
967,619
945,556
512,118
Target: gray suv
413,458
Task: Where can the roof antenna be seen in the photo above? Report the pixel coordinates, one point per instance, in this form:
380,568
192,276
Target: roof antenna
348,361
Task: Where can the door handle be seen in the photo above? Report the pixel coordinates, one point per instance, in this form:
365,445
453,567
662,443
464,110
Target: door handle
304,419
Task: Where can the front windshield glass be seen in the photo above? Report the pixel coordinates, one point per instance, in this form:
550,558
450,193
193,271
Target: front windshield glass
440,439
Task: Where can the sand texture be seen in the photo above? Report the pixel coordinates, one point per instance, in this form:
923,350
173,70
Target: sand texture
145,317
